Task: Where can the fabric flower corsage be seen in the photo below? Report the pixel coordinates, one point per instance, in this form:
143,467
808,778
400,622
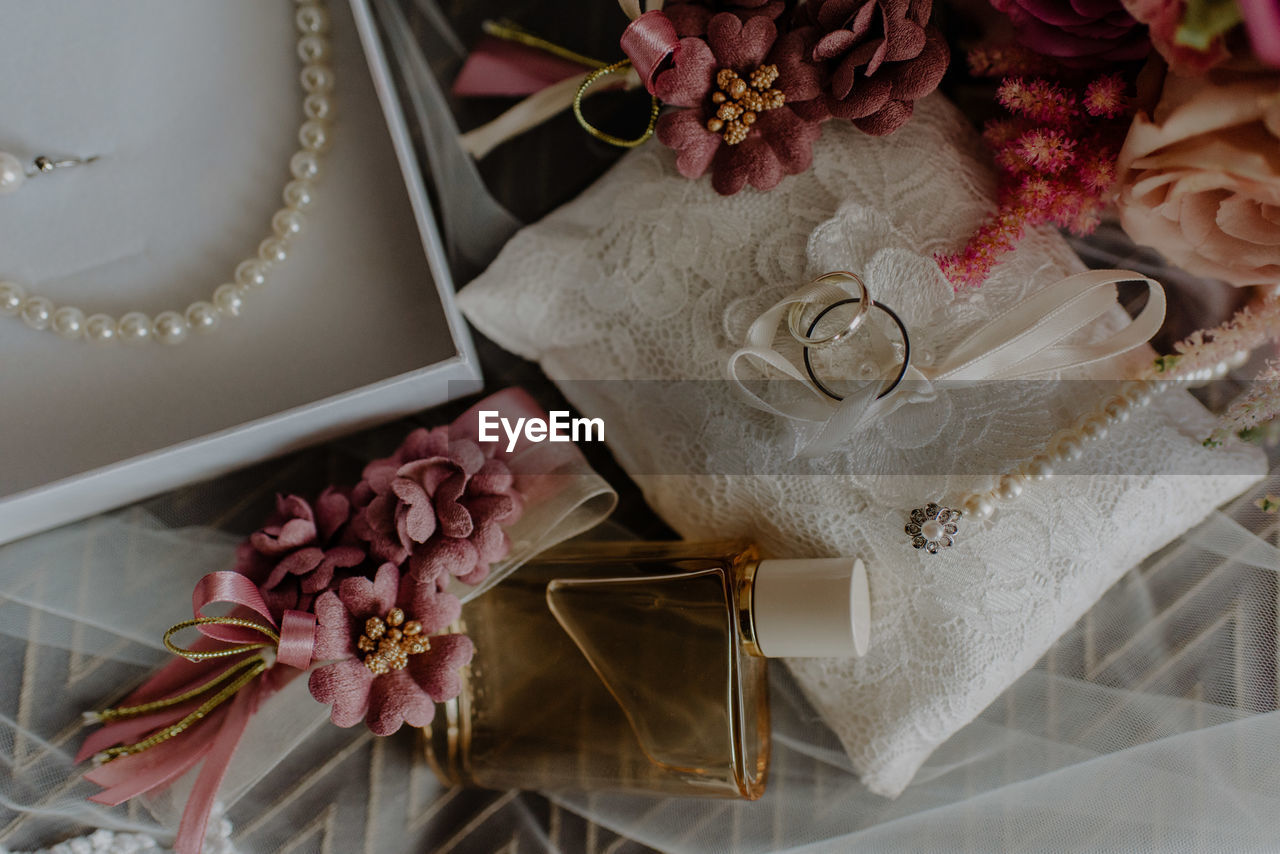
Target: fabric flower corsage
297,553
438,487
882,56
745,84
738,100
392,660
355,587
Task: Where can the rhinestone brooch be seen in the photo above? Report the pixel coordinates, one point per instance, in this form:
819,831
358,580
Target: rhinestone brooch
933,527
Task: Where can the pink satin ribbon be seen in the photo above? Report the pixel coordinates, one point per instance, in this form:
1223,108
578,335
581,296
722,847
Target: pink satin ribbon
648,41
512,404
213,739
506,69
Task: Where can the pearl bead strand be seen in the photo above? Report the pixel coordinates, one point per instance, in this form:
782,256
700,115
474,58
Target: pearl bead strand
1069,444
174,327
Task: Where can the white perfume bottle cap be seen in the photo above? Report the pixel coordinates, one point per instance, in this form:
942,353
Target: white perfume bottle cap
815,608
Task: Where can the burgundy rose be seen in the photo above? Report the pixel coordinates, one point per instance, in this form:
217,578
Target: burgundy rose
1080,33
443,491
745,104
389,667
691,17
882,55
297,553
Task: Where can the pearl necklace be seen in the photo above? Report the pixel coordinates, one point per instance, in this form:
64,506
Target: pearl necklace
173,327
934,526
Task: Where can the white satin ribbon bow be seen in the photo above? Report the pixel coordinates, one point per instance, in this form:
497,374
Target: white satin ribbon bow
1028,339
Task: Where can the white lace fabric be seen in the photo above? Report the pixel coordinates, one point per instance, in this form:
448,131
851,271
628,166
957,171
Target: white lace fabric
649,276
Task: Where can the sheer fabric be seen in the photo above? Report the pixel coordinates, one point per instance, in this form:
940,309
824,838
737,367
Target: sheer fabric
1151,725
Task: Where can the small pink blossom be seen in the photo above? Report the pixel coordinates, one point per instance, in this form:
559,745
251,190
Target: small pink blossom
402,695
1047,149
1037,99
1105,97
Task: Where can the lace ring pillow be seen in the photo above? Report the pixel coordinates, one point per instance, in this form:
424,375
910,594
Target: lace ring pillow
651,277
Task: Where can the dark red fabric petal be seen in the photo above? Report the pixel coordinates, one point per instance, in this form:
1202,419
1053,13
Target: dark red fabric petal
892,116
866,98
905,41
436,671
695,146
346,686
920,76
791,139
396,699
833,44
740,45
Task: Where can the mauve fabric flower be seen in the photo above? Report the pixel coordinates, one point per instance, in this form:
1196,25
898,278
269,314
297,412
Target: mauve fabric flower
405,695
1081,33
1163,19
883,55
1199,178
297,553
691,17
780,142
438,487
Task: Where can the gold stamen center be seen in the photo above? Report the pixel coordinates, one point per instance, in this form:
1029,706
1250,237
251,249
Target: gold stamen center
388,642
739,102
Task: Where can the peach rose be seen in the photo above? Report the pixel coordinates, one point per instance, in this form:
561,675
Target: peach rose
1199,178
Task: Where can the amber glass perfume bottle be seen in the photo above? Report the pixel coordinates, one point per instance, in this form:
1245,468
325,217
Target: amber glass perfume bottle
639,666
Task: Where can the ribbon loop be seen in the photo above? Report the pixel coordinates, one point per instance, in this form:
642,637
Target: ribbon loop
648,41
293,638
1027,339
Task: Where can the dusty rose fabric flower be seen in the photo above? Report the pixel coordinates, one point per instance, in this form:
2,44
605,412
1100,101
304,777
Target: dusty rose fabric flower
744,99
1081,33
383,680
296,554
438,487
691,17
883,56
1199,178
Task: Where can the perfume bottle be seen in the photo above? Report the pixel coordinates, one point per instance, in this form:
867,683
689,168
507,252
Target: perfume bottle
639,667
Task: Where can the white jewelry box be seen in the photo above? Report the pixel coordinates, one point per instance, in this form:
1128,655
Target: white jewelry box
194,110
